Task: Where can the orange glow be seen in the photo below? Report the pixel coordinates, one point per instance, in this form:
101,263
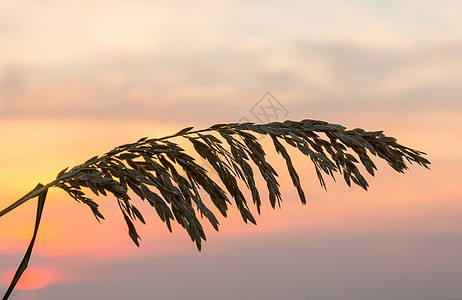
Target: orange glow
59,225
78,78
20,138
65,234
32,278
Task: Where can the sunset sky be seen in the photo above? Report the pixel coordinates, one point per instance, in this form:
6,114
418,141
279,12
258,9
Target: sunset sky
78,78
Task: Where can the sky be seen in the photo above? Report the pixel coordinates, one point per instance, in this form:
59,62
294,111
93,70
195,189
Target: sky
78,78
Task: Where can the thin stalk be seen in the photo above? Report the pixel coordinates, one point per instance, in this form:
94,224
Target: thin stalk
25,261
32,194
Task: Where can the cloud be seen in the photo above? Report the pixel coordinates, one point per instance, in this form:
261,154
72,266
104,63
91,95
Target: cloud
178,62
321,76
105,72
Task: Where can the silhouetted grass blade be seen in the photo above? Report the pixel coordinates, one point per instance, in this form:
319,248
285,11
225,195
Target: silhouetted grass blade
233,150
25,261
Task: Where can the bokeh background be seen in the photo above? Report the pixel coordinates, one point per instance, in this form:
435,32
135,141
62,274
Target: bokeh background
78,78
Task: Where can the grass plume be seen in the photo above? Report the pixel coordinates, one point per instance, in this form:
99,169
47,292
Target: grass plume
160,172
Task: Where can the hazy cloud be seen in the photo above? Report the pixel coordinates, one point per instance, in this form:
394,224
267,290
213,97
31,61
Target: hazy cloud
209,62
226,85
